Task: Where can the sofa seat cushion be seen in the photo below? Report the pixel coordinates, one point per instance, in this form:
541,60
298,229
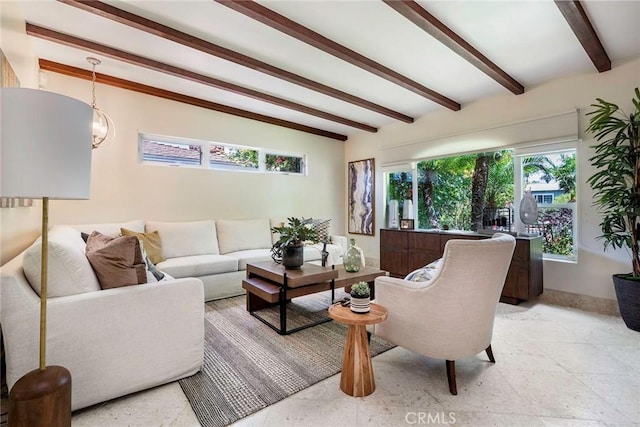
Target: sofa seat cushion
198,265
182,239
250,256
240,235
69,271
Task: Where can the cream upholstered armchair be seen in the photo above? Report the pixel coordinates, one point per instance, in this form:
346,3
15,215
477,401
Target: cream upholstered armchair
450,316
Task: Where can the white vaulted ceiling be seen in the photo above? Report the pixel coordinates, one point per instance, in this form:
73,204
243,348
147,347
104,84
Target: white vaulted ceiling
531,41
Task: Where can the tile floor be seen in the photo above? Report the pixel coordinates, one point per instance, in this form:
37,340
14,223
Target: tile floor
556,366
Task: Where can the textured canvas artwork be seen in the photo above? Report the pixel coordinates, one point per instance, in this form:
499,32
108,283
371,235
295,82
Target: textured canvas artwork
361,197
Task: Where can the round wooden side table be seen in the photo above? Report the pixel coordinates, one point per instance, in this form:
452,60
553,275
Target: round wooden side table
357,372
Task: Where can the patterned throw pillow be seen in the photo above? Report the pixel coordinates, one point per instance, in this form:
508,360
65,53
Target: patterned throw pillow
321,227
423,274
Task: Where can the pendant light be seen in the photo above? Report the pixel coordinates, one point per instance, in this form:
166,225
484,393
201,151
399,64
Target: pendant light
102,125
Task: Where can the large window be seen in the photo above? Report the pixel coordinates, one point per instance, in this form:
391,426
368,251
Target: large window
483,190
551,178
172,151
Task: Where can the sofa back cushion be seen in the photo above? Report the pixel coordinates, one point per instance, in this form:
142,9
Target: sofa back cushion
111,228
186,238
69,271
240,235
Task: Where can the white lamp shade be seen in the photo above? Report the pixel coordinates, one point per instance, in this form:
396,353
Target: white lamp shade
45,145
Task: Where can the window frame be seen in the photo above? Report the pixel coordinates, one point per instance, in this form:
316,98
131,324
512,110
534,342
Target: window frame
545,150
183,141
518,153
205,156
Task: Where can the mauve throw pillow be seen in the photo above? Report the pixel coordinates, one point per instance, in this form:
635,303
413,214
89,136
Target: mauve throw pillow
117,261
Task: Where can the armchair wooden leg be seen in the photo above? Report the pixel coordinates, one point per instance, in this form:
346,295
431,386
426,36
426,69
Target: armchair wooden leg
490,354
451,376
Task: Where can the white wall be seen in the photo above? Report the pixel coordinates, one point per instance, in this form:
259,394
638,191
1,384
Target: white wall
430,137
18,226
123,189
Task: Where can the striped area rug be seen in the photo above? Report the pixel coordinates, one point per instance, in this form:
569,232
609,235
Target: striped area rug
248,366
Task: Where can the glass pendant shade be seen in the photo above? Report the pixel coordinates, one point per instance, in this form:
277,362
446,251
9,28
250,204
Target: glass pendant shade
100,127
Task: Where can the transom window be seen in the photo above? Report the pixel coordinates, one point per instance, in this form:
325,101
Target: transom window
173,151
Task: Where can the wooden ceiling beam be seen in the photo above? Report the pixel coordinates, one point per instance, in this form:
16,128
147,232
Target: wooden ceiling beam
430,24
275,20
72,41
578,20
185,99
159,30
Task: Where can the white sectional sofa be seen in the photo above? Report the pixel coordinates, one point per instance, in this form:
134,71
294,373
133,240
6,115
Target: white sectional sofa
217,252
122,340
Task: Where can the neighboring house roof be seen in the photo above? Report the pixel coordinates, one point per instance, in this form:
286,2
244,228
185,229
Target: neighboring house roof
543,186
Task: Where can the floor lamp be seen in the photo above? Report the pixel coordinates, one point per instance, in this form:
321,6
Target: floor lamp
45,141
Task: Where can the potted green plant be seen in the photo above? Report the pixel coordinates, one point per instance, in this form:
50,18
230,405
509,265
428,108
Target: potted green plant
616,186
360,298
289,247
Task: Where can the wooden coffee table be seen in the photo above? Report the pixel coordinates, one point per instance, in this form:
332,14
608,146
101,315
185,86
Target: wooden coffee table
269,283
357,371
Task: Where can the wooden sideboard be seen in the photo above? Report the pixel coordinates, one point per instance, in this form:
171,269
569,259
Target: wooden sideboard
402,251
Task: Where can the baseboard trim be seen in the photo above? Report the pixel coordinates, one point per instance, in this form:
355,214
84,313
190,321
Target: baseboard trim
582,302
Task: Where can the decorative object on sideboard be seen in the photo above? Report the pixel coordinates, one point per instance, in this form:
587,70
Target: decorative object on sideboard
407,224
393,220
353,258
361,191
102,124
529,213
39,126
616,184
360,298
289,248
407,209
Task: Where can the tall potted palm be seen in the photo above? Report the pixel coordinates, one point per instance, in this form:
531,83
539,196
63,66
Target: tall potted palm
617,193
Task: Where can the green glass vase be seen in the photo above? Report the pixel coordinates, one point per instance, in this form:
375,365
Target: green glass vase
353,259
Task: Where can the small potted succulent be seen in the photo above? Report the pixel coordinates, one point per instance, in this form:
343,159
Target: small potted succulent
360,298
289,247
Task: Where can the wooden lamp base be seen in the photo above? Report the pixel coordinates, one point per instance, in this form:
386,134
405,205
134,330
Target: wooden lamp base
41,398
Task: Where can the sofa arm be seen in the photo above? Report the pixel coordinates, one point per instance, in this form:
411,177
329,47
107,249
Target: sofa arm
340,240
117,341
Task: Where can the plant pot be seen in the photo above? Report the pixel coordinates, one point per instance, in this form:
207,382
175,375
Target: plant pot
292,257
360,304
628,294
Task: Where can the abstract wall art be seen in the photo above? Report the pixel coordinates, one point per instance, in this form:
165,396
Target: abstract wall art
361,181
